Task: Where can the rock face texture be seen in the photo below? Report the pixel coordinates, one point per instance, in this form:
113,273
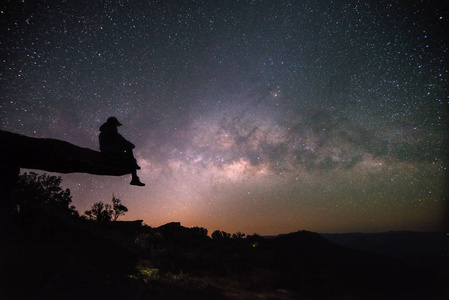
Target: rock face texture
19,151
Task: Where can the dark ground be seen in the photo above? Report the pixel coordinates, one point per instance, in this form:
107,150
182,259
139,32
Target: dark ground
47,255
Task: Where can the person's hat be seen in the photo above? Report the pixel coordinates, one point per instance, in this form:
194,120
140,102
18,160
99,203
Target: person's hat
114,121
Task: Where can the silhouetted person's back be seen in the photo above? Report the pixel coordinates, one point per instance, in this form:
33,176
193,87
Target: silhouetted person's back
114,143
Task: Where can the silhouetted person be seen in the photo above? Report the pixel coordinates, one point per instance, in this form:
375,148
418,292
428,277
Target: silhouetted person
112,142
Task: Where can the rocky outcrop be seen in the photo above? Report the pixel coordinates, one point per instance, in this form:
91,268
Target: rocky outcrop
19,151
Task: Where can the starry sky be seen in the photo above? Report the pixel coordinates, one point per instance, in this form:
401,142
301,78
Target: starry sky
254,116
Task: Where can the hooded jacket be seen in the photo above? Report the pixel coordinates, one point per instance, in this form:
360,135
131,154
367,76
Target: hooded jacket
111,141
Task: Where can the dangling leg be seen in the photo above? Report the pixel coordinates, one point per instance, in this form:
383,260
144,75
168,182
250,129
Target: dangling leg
130,155
135,179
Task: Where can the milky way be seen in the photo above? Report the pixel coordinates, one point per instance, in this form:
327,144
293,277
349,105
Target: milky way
251,116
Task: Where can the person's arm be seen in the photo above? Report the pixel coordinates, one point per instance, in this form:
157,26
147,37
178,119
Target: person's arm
124,142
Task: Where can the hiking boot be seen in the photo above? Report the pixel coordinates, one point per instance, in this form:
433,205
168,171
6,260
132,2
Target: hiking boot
136,181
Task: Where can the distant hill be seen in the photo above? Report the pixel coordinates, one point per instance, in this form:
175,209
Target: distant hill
330,267
399,244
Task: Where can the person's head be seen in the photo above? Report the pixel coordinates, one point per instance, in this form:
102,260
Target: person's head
114,121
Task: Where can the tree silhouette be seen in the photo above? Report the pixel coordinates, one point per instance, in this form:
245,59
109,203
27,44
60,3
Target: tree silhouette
220,235
34,190
238,235
118,208
102,212
199,231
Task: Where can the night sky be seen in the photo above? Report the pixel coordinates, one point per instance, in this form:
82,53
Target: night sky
254,116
